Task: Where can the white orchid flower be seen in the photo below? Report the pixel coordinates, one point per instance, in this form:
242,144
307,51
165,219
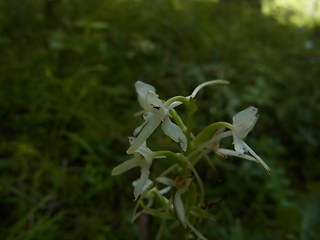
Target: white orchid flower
147,199
155,113
142,157
145,186
181,184
243,123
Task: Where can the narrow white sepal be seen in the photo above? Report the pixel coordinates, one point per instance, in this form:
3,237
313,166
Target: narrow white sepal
164,190
166,181
144,134
179,208
125,166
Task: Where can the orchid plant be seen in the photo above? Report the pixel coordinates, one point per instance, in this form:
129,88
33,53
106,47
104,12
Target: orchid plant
178,192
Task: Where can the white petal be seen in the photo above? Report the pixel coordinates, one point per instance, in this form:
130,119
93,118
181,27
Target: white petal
125,166
142,181
166,181
174,132
144,134
179,208
257,157
244,121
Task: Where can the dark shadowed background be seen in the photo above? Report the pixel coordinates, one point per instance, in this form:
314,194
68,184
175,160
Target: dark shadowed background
67,99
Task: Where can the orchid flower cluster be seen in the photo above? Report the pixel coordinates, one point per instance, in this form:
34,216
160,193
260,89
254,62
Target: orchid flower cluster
178,192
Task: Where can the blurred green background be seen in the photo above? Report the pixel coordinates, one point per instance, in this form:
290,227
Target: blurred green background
67,101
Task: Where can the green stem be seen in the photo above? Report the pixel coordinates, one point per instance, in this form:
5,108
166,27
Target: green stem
189,134
183,127
173,156
209,161
168,170
163,221
208,132
161,228
197,178
178,120
195,231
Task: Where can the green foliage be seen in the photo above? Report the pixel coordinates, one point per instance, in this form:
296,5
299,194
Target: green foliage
67,100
